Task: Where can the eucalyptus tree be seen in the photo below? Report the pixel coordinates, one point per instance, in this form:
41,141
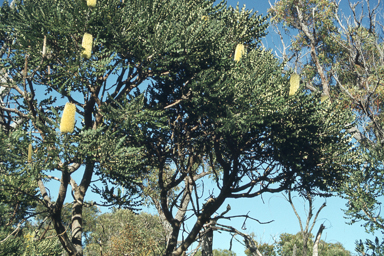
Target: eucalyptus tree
340,53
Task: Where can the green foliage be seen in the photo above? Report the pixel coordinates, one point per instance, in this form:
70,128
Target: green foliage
285,12
253,121
161,89
26,245
123,232
12,246
287,242
18,187
219,252
365,190
134,42
370,248
258,119
45,247
264,249
25,240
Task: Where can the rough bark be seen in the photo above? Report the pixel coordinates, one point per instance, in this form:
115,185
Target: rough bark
206,248
175,222
77,208
56,216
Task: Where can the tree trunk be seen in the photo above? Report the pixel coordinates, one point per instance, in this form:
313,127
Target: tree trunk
174,227
172,243
305,244
61,231
77,226
206,248
250,244
317,240
77,208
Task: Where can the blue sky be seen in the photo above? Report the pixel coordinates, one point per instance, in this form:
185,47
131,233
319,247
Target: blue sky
275,207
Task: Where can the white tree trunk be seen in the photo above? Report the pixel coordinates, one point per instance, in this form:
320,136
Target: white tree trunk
317,241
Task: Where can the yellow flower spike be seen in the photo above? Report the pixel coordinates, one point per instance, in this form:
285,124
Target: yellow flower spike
68,119
204,18
91,3
87,45
239,52
325,98
29,153
294,84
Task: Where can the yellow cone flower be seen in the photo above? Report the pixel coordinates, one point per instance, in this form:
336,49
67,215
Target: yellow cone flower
87,45
294,84
29,153
239,52
91,3
325,98
68,119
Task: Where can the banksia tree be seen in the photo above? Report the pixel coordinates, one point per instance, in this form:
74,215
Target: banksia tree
190,114
67,123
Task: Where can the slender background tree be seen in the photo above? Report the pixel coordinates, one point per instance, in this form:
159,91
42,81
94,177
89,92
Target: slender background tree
342,56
